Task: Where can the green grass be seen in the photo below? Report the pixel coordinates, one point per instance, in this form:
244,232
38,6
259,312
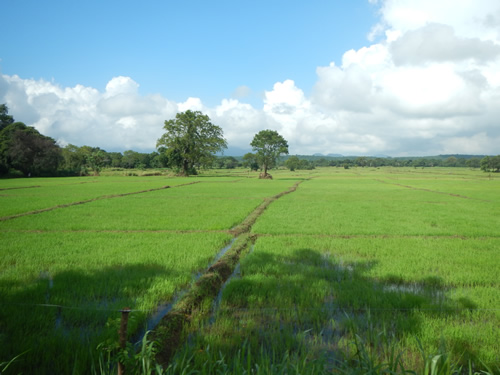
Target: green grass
44,193
208,205
66,273
314,295
349,264
362,206
358,271
91,276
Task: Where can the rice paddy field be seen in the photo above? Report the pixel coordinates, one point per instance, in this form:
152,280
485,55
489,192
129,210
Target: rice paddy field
392,268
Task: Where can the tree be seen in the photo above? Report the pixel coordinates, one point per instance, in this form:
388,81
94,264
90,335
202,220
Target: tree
304,164
131,159
115,159
5,118
293,163
226,162
191,140
490,163
473,163
361,161
268,145
451,161
96,160
495,163
250,161
24,149
74,159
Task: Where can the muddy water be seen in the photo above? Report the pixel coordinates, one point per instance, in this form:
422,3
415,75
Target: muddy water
216,303
164,308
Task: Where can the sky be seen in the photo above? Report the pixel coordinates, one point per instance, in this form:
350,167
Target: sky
357,77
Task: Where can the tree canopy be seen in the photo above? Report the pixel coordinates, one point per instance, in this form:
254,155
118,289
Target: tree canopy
490,163
268,145
191,140
5,118
24,149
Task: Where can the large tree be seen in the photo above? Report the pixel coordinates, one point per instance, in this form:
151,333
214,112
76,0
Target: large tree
24,149
490,163
268,145
191,140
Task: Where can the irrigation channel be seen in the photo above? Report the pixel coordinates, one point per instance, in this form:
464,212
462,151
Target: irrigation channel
164,308
170,317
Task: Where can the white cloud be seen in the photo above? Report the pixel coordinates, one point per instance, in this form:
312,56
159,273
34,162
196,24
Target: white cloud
121,85
193,104
346,89
468,17
118,118
428,87
474,145
438,43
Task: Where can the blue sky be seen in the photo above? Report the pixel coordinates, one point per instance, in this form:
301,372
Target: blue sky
181,48
357,77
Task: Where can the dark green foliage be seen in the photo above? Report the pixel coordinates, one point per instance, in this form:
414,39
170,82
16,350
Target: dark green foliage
490,163
191,140
473,163
268,145
292,163
5,118
24,149
226,162
250,161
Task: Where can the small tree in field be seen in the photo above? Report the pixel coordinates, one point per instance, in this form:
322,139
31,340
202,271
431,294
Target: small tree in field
293,163
250,161
190,140
268,145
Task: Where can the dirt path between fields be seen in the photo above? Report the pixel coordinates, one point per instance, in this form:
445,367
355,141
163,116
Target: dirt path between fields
173,327
21,187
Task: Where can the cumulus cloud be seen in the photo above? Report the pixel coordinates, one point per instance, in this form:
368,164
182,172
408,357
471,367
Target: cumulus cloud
121,86
429,85
438,43
118,118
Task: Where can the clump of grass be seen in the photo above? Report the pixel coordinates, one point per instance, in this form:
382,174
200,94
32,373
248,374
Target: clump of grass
140,361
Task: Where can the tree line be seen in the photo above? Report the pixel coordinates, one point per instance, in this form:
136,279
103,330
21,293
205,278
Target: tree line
190,142
486,163
24,151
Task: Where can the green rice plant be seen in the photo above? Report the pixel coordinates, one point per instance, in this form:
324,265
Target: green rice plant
140,362
63,291
68,190
5,365
203,206
354,264
359,206
293,284
244,360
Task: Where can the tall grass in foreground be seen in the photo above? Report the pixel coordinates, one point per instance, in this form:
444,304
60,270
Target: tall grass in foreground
364,358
